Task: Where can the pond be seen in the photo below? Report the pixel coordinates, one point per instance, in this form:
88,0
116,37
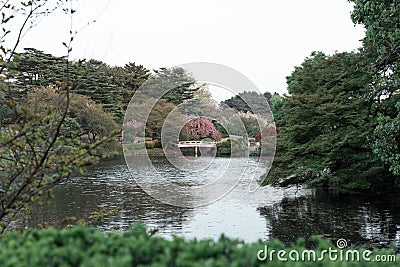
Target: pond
264,214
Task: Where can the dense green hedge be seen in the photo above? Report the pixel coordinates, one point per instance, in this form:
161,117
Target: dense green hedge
82,246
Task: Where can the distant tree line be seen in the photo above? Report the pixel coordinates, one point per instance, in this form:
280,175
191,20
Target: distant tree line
110,86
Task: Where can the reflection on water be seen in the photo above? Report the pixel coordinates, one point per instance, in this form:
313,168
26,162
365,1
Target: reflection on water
264,214
205,181
362,221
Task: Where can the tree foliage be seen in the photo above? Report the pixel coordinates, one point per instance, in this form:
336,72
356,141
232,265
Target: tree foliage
84,246
250,123
34,68
36,153
83,114
110,86
176,85
35,156
244,101
201,104
387,140
200,128
340,125
326,132
276,102
249,103
157,117
91,117
382,47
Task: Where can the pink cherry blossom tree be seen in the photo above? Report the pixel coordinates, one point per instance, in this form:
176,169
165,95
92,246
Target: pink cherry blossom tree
201,127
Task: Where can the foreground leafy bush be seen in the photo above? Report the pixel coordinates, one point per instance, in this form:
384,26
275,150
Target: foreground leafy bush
83,246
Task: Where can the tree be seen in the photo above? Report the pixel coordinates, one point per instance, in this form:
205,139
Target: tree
29,13
387,140
34,68
245,101
156,100
201,104
382,48
174,85
254,108
156,118
128,79
267,132
113,87
45,100
380,18
135,76
34,156
276,103
200,128
83,114
250,123
92,118
327,127
6,114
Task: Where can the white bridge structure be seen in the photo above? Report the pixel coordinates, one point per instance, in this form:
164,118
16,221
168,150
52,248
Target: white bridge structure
197,145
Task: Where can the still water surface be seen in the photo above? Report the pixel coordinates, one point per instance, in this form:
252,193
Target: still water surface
267,213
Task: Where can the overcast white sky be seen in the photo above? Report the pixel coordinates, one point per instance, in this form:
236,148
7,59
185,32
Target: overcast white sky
262,39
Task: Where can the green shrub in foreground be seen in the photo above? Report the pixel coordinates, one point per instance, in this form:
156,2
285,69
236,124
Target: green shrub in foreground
83,246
